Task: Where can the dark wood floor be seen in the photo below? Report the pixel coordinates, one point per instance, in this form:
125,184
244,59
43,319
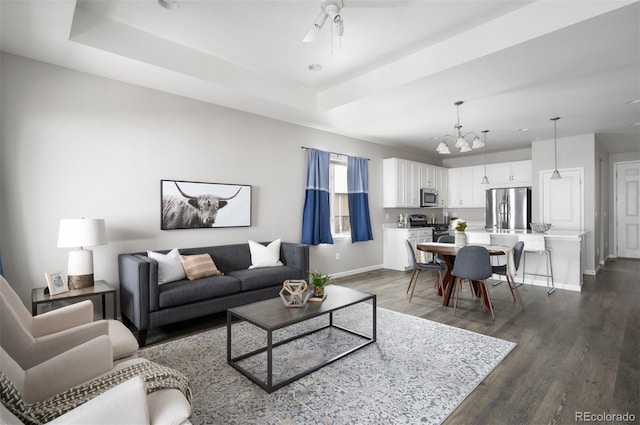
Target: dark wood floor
577,352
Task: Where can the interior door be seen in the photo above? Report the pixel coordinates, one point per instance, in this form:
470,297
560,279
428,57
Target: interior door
628,209
563,199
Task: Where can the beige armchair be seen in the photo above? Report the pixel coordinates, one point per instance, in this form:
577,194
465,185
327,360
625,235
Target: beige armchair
105,409
32,340
127,403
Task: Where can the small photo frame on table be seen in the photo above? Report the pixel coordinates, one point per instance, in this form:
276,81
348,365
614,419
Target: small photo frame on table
56,282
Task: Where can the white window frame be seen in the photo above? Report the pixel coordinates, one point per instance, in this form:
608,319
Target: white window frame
341,162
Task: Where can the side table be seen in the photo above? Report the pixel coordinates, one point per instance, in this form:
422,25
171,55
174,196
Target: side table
100,287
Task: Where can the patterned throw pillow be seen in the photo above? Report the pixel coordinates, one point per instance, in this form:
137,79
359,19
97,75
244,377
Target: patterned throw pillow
198,266
13,401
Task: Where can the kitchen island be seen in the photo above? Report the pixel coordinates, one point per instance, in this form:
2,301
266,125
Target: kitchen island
567,256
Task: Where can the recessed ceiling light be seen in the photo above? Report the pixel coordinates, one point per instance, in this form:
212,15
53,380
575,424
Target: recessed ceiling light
629,102
169,4
535,139
636,123
315,67
523,129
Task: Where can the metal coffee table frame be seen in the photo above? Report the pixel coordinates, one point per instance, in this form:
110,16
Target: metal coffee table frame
271,315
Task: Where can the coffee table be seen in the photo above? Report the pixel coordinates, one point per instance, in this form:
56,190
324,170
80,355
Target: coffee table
271,315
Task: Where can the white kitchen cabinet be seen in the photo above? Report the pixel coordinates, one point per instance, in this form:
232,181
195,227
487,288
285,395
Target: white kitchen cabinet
478,197
428,177
401,183
434,177
394,246
465,188
442,184
510,174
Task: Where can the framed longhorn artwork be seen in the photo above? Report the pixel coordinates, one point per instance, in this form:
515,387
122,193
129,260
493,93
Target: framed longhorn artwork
197,205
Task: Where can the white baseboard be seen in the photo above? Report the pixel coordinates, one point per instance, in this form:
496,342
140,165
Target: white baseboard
558,285
356,271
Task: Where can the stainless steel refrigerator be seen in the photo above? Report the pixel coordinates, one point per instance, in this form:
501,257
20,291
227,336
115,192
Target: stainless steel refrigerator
508,208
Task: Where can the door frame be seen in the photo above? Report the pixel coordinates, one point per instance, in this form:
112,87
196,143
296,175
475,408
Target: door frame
615,201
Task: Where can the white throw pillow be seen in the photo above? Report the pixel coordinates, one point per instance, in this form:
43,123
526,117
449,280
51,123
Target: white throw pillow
169,266
265,256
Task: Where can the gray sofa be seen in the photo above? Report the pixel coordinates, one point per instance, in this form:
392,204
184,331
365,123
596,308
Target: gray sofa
147,305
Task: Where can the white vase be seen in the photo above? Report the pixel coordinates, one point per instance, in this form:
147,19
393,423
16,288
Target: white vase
461,239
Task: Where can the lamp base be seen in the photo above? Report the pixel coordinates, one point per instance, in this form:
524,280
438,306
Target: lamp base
80,281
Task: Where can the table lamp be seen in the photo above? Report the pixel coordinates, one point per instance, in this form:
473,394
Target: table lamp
80,233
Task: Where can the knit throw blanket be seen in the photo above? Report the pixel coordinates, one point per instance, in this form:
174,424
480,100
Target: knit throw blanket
156,377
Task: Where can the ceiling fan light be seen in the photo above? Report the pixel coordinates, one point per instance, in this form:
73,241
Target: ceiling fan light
320,20
339,31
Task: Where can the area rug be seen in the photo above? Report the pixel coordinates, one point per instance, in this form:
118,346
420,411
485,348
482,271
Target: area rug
417,372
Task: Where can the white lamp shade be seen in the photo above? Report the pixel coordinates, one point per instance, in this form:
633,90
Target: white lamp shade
81,232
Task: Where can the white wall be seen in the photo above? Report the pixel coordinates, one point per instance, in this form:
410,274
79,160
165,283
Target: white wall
76,145
573,152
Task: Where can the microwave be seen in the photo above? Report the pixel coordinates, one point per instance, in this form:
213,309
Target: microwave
428,198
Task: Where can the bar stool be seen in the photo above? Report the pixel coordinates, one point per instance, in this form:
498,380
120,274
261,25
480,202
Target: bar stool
534,243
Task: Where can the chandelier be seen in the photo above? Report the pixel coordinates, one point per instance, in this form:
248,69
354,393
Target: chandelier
459,138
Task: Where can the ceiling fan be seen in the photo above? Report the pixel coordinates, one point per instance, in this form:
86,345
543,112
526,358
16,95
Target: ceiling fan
333,9
328,9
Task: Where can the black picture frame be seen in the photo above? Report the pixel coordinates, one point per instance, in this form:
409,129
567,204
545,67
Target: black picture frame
201,205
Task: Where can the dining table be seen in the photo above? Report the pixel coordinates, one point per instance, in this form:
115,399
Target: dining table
448,251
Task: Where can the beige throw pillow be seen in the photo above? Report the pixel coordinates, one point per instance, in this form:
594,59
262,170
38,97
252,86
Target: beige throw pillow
198,266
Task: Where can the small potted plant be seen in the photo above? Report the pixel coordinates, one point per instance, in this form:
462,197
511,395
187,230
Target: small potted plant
461,237
319,281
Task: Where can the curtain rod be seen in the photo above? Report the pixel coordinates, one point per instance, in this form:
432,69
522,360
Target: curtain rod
335,153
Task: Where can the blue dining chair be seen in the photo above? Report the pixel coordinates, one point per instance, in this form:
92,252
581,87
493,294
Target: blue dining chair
473,263
444,239
419,267
501,270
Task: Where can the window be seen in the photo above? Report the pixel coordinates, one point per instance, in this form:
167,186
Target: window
339,198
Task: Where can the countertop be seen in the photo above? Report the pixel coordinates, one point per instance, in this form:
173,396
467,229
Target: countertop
551,233
394,226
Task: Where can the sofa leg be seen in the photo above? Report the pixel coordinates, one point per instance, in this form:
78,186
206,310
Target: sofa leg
142,338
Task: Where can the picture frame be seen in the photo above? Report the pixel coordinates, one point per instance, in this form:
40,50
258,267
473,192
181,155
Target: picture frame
201,205
56,282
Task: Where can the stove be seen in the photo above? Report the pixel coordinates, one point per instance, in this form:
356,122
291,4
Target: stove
421,220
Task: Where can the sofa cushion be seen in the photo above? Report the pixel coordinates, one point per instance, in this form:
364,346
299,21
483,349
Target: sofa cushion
263,277
188,291
199,266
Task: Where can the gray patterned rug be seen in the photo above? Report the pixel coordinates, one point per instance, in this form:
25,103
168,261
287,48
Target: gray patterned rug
417,372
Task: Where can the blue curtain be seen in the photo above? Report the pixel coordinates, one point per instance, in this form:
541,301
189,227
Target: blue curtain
316,226
358,187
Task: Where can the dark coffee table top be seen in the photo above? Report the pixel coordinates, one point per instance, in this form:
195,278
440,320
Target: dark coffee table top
272,314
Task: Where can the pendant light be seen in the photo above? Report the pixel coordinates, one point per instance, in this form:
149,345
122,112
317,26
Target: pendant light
556,174
485,179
